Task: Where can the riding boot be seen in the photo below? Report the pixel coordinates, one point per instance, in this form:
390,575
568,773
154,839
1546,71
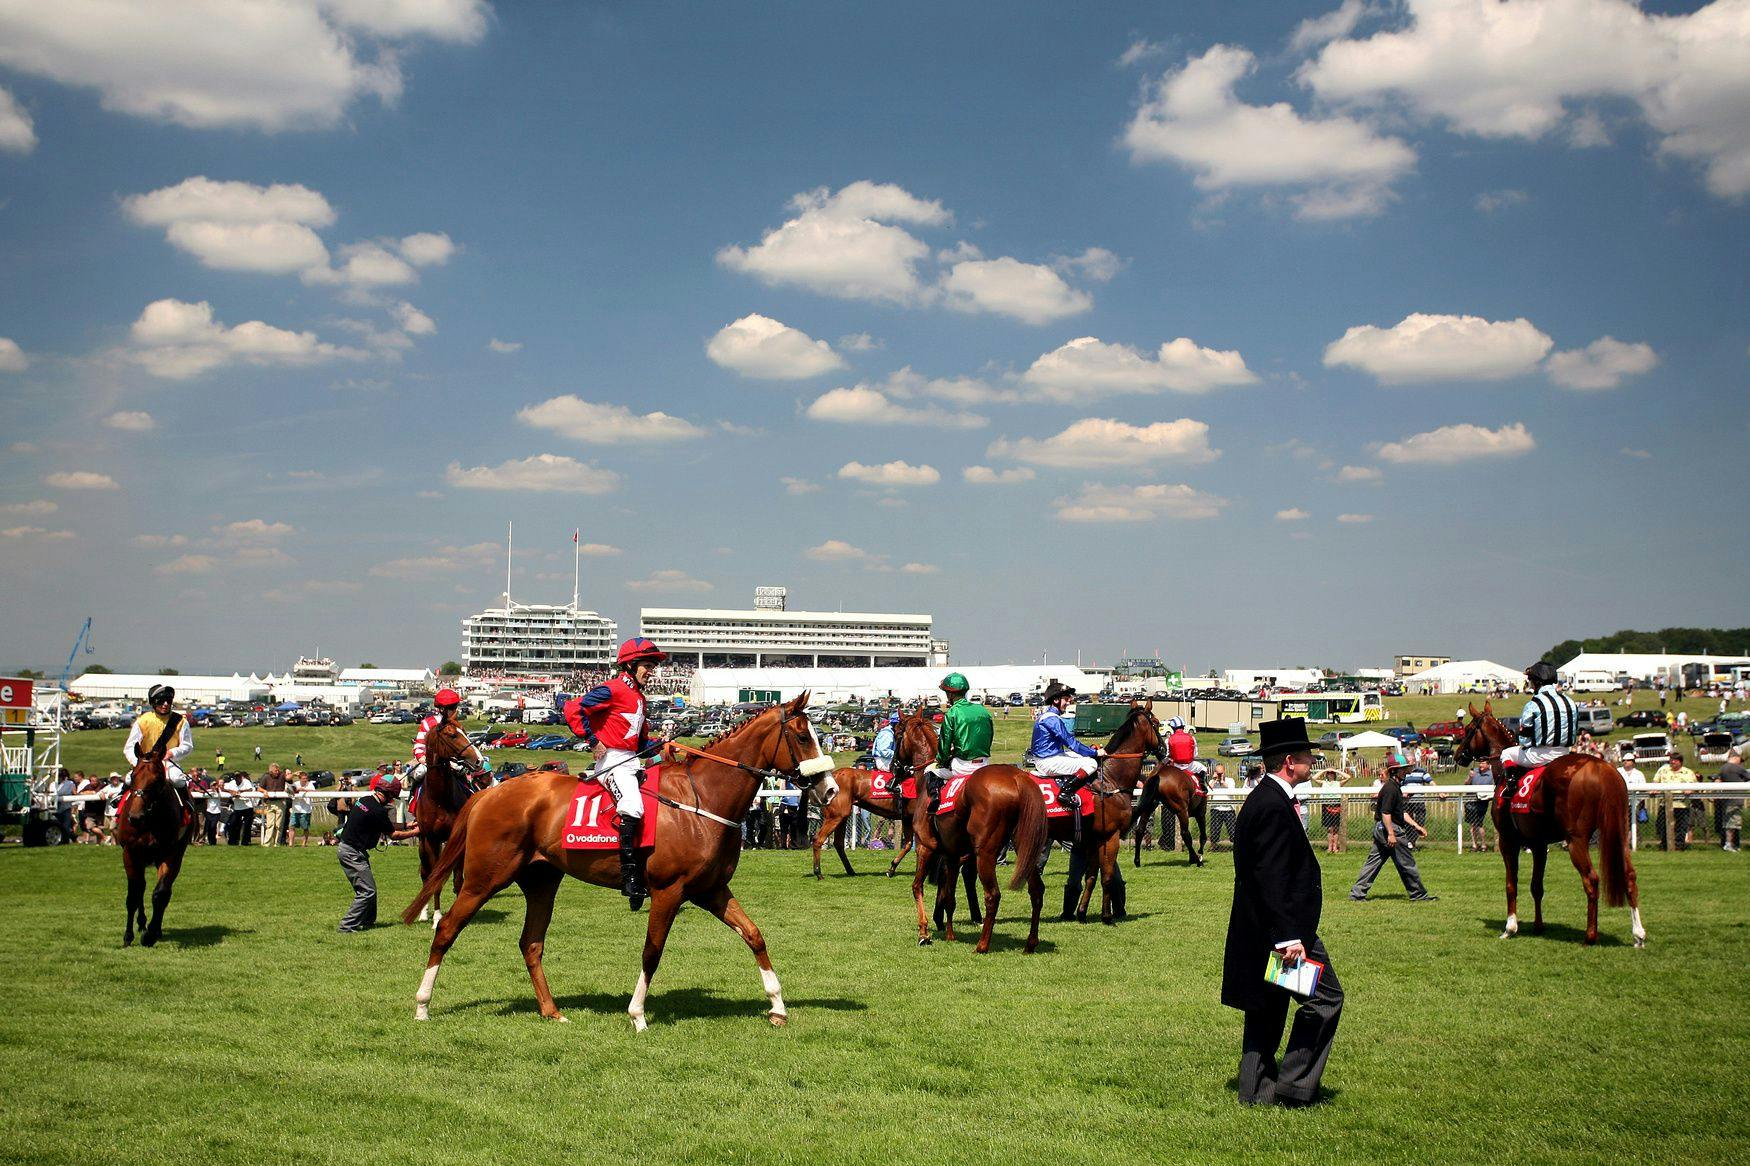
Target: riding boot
631,862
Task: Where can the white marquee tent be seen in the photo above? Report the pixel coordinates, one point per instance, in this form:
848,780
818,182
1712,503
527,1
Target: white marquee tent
1459,675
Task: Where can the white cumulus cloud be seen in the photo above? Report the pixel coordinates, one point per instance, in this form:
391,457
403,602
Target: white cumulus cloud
1102,503
1423,347
17,131
1194,119
251,64
504,347
862,405
1094,442
800,486
36,507
544,472
1451,444
131,421
1292,514
894,473
1602,364
427,249
921,569
1354,518
12,357
1337,23
1029,292
1351,474
837,550
36,534
759,346
1088,367
80,480
411,320
177,340
668,580
985,476
601,424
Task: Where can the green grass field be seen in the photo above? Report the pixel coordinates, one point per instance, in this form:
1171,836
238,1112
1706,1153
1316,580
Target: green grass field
255,1032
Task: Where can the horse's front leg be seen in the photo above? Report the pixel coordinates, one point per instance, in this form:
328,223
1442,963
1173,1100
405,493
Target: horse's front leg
664,904
136,899
160,900
723,905
1510,860
1539,856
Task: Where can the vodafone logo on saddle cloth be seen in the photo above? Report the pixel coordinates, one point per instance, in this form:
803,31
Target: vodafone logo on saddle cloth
589,823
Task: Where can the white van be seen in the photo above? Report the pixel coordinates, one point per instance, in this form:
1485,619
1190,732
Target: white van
1598,722
1592,682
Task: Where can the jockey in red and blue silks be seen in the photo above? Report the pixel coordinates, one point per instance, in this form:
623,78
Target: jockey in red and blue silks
611,718
448,703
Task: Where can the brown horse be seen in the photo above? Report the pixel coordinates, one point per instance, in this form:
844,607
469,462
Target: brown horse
853,789
152,828
448,785
513,833
997,805
1102,832
1175,792
1580,794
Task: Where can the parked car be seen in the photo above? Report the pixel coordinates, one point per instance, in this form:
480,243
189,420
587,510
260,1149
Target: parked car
1643,719
1651,747
550,741
509,769
513,740
1596,721
1234,747
1332,739
1447,729
356,778
382,718
1404,733
1711,748
322,778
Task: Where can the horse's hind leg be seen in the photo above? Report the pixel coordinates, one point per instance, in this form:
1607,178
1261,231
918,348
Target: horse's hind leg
969,875
1510,859
1581,856
475,892
987,875
906,841
1539,856
1036,895
1185,833
838,844
1090,875
723,905
1072,881
1634,901
1144,812
540,883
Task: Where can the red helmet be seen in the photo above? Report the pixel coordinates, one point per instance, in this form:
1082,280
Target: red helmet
639,648
446,698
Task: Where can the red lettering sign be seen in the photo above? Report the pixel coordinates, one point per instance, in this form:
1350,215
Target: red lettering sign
14,693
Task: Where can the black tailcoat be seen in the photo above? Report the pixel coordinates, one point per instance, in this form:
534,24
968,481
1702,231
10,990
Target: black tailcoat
1277,893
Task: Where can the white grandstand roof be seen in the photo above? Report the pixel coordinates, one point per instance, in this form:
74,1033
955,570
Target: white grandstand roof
387,675
778,616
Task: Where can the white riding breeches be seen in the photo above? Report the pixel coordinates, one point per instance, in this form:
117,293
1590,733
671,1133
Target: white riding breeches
1063,765
1532,756
962,768
618,771
173,773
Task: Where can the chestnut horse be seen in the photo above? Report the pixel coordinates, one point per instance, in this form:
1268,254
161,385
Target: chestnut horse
1176,793
1102,836
152,828
1580,794
853,789
446,789
997,805
514,833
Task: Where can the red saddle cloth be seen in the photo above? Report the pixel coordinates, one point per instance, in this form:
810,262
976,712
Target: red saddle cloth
881,786
908,788
1053,807
589,822
1525,790
951,795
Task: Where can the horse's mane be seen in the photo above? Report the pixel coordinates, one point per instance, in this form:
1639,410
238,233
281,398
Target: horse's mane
736,729
1129,723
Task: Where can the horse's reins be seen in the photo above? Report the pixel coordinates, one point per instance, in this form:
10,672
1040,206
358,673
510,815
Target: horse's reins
785,733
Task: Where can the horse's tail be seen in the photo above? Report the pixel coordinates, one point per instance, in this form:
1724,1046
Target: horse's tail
1145,805
1613,838
453,852
1030,834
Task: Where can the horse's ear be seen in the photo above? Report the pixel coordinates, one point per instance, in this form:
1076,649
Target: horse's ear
1472,706
1488,708
1149,704
795,706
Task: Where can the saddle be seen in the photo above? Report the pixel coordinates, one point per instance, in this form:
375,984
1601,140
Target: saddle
1524,789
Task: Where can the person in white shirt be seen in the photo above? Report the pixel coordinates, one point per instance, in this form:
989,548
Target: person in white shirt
242,823
302,805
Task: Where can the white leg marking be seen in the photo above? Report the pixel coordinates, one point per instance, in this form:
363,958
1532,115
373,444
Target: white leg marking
422,1000
775,994
425,913
437,917
1634,915
636,1009
1512,927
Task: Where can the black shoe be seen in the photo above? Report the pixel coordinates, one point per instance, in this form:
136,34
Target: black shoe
631,863
1423,898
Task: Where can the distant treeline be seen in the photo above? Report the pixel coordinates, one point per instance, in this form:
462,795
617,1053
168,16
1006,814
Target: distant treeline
1719,641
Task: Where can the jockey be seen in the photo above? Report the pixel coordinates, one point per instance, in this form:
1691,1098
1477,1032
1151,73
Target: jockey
149,726
1547,724
1182,749
448,703
611,716
1056,752
964,747
886,744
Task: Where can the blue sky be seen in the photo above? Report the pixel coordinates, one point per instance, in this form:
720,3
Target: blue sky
1255,335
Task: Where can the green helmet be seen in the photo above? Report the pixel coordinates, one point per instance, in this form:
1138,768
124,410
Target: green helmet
955,682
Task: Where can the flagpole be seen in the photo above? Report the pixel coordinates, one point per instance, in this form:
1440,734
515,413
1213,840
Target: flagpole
576,568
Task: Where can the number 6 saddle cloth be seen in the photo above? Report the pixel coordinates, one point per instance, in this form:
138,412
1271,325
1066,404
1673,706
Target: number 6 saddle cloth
589,820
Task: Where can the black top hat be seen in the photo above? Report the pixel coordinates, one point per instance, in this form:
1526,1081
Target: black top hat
1284,736
1541,673
1056,689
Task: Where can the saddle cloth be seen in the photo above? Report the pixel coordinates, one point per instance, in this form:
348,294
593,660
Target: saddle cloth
1526,790
1056,809
589,821
951,795
881,786
187,817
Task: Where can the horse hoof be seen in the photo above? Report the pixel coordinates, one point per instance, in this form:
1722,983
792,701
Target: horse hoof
1640,941
560,1017
1032,946
925,941
778,1019
148,941
1107,920
981,949
1081,917
421,1012
639,1024
1507,934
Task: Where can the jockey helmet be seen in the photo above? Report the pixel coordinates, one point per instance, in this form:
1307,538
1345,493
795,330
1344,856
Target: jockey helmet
954,682
638,648
160,692
1175,723
1056,690
446,698
388,785
893,718
1541,673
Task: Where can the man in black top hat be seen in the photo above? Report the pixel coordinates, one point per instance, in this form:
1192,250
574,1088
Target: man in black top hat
1277,898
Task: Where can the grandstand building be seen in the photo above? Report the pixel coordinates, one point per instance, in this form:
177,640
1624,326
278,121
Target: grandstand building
521,639
769,636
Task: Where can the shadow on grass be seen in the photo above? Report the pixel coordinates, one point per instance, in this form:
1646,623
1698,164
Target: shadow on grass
680,1004
1561,932
210,935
